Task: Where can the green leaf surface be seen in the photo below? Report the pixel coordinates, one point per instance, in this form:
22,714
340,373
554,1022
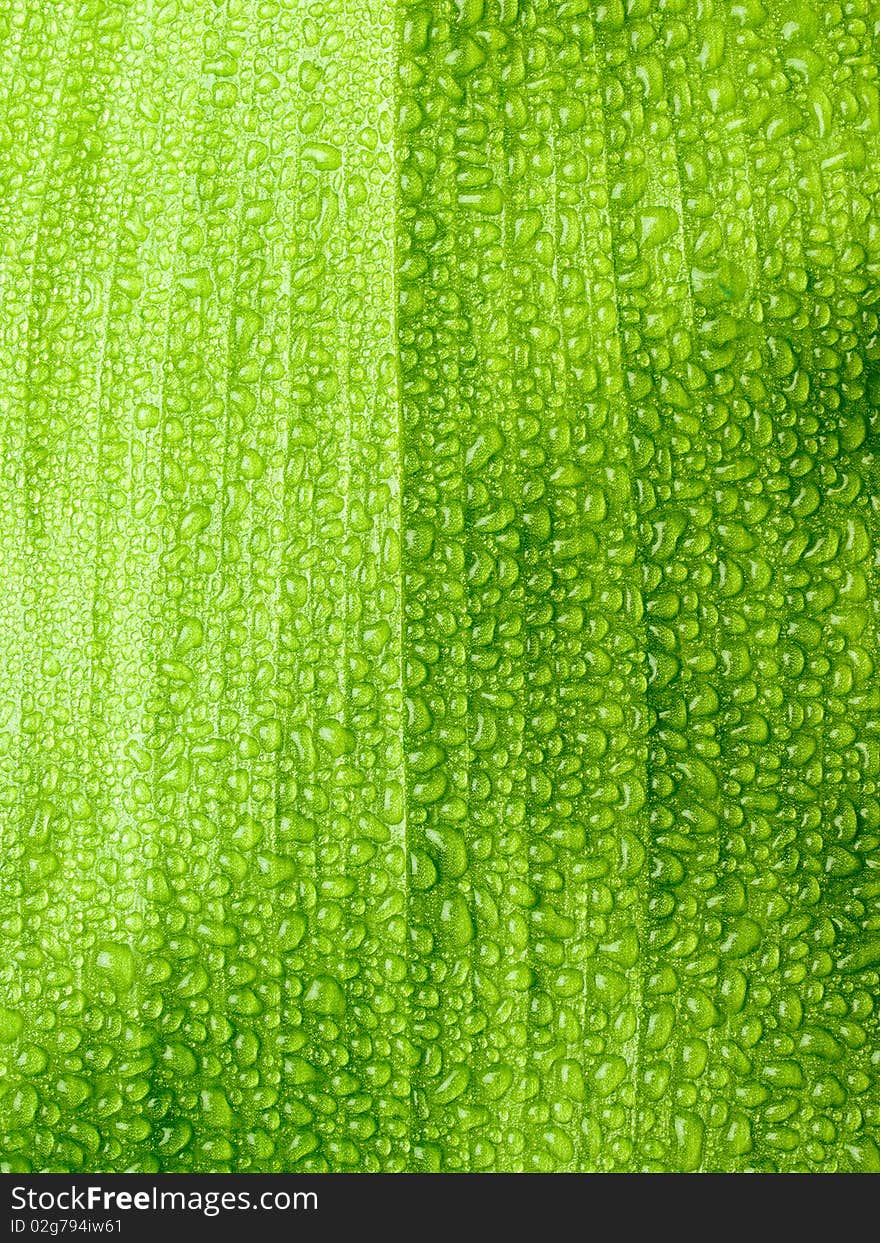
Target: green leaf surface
438,678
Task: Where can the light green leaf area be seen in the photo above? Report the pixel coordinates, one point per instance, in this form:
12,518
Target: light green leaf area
439,695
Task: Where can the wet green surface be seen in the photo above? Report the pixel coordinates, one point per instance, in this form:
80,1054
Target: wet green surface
438,693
